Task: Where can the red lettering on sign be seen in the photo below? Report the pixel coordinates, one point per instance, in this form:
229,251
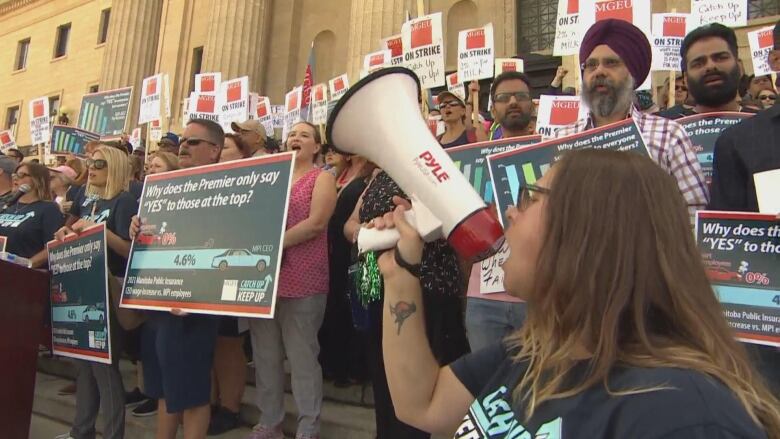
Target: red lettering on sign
564,112
5,138
38,109
573,7
262,110
234,92
434,166
155,124
151,87
205,104
422,34
765,39
508,66
292,104
475,39
396,47
674,27
619,9
376,60
207,83
319,94
338,84
454,79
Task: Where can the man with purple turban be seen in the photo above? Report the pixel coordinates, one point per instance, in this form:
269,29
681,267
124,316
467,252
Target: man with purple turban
616,57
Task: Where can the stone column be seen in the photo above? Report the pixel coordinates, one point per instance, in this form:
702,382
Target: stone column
370,21
131,48
236,44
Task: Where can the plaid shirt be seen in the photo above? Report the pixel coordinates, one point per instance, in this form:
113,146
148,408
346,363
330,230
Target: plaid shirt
670,147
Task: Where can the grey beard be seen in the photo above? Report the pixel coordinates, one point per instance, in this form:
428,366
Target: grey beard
618,99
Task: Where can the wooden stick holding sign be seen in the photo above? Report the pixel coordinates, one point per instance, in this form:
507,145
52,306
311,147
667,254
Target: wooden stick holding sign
474,106
424,94
672,81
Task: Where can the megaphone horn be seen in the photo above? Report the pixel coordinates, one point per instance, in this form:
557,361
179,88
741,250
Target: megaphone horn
379,118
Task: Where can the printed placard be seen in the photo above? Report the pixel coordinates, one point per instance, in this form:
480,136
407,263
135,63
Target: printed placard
155,131
7,140
423,46
703,130
292,109
567,28
80,305
183,261
511,170
319,104
669,30
203,106
39,121
233,102
376,60
733,13
508,65
396,47
151,99
135,137
767,195
263,113
338,87
70,140
105,112
554,112
456,87
208,83
761,43
741,255
475,53
277,115
167,94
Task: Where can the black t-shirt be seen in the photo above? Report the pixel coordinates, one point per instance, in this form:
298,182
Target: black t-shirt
136,188
73,192
116,213
29,227
693,406
5,197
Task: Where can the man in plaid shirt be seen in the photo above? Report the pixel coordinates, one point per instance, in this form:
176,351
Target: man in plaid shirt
617,58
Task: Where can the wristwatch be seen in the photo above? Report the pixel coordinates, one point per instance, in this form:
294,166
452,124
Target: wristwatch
413,269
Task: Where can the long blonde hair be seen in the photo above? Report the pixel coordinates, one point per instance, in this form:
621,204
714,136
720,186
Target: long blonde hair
118,173
619,274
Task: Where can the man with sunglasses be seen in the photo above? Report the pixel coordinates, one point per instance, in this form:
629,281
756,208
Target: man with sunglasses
252,132
169,143
616,60
177,369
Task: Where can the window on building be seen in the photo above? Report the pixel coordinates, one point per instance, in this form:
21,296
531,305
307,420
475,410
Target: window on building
61,43
197,63
11,118
763,8
536,25
54,105
105,16
93,88
22,50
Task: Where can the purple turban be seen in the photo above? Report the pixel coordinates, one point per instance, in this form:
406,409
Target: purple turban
626,40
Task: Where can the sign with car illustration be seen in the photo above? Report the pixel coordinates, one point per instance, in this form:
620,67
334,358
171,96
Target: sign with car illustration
741,255
211,240
79,296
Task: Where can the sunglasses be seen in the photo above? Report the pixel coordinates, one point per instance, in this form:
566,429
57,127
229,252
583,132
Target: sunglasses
19,175
444,105
680,88
767,98
96,164
527,195
504,98
195,141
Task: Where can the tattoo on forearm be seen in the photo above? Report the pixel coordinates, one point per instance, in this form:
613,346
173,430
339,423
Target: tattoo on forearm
402,311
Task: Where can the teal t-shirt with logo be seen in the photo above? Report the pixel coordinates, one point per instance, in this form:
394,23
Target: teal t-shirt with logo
29,227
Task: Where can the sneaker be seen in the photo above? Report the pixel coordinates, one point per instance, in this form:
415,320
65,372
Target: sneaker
222,421
265,432
146,408
70,389
135,397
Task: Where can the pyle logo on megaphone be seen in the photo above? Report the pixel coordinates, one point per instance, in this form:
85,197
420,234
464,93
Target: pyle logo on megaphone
431,168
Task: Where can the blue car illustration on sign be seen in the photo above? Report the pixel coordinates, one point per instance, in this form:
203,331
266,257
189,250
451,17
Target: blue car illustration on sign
240,258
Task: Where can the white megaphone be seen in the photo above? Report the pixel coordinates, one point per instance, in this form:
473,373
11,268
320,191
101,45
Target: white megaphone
379,118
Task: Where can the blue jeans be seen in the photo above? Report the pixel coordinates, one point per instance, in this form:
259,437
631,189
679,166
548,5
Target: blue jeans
489,321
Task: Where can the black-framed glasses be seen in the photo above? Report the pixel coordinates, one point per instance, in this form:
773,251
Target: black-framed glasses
520,96
591,64
19,175
527,195
195,141
767,98
453,103
96,163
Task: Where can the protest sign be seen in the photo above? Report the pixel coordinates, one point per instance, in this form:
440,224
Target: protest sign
292,109
475,53
105,112
456,87
423,46
567,28
40,131
510,171
208,83
151,97
135,137
741,255
761,43
508,65
471,161
208,253
554,112
320,104
203,106
233,100
7,140
277,115
167,95
263,114
185,111
767,194
155,131
376,60
668,33
338,87
80,305
703,130
731,13
65,139
395,45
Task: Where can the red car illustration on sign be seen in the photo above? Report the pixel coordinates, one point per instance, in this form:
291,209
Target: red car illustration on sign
722,274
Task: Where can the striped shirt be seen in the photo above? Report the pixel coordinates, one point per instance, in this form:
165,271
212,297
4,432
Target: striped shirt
670,147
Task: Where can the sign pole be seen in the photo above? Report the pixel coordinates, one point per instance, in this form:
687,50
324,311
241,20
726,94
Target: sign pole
475,107
425,94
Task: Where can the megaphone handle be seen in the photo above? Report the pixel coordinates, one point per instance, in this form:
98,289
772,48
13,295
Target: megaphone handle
427,225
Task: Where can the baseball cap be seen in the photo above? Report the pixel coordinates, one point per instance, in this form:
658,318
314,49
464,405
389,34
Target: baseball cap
447,94
249,125
171,137
66,171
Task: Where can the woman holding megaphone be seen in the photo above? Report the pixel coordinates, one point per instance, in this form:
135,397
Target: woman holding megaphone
624,336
